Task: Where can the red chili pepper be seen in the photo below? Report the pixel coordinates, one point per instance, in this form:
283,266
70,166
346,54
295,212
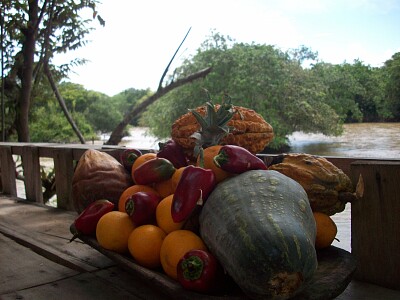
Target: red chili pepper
153,170
235,159
141,207
193,189
199,270
87,221
172,151
128,157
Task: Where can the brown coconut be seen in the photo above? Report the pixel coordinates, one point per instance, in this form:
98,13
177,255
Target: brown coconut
98,175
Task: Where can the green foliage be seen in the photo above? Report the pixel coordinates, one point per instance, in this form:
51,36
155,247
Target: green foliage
391,72
35,31
128,98
290,96
259,77
95,113
50,125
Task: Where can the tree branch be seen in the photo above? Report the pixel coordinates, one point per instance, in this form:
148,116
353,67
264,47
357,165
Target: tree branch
116,135
170,62
62,103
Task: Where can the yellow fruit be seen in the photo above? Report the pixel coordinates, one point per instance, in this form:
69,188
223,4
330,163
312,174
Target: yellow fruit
164,217
209,154
326,230
164,188
176,177
144,245
175,246
113,231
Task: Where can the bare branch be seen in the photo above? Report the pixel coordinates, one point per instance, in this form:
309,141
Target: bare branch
170,62
116,135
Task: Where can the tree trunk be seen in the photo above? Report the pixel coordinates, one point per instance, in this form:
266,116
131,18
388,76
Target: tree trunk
62,103
28,52
117,134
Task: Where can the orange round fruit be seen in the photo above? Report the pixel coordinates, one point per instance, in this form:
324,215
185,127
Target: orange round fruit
176,177
140,160
164,216
132,190
326,230
144,244
209,154
164,188
113,231
175,246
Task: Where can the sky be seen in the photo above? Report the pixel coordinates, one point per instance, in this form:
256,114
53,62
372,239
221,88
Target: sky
140,37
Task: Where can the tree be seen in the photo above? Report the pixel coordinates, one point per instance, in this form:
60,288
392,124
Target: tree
392,88
35,31
260,77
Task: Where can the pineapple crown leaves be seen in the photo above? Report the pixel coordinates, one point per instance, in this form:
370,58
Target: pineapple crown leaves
213,125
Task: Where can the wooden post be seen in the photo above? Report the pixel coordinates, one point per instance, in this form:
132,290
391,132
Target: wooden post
7,164
375,223
64,170
31,166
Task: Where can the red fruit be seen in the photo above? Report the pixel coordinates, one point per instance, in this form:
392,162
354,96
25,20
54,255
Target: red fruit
153,171
199,270
193,189
87,221
141,207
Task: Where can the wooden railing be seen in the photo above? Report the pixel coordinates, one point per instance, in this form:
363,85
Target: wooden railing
64,157
375,226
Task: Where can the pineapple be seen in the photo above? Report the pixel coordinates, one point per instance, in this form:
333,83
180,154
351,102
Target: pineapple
224,123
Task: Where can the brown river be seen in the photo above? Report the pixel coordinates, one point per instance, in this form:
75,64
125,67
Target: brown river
370,140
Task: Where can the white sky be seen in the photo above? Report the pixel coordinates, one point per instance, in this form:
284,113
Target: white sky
140,37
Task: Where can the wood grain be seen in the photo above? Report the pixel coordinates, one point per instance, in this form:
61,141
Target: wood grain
7,167
16,272
376,223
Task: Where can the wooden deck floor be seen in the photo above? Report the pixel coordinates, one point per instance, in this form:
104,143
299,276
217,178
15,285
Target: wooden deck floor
38,262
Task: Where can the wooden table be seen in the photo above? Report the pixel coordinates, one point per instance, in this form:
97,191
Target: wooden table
38,262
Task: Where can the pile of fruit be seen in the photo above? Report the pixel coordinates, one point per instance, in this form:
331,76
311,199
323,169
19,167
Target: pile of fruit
206,211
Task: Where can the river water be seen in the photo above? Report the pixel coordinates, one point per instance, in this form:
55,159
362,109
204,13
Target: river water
369,140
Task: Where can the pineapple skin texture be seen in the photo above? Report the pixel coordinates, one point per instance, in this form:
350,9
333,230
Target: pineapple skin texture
248,130
328,188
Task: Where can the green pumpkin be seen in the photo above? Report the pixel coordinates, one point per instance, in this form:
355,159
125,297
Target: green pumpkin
260,226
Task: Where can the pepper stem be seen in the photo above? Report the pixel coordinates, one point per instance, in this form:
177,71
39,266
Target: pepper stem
192,268
201,159
130,207
220,159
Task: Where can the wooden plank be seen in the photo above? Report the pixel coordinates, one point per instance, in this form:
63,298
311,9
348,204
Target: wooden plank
64,171
46,231
121,278
358,290
31,167
82,286
375,223
19,263
7,164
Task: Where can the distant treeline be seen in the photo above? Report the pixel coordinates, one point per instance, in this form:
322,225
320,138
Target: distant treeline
292,90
